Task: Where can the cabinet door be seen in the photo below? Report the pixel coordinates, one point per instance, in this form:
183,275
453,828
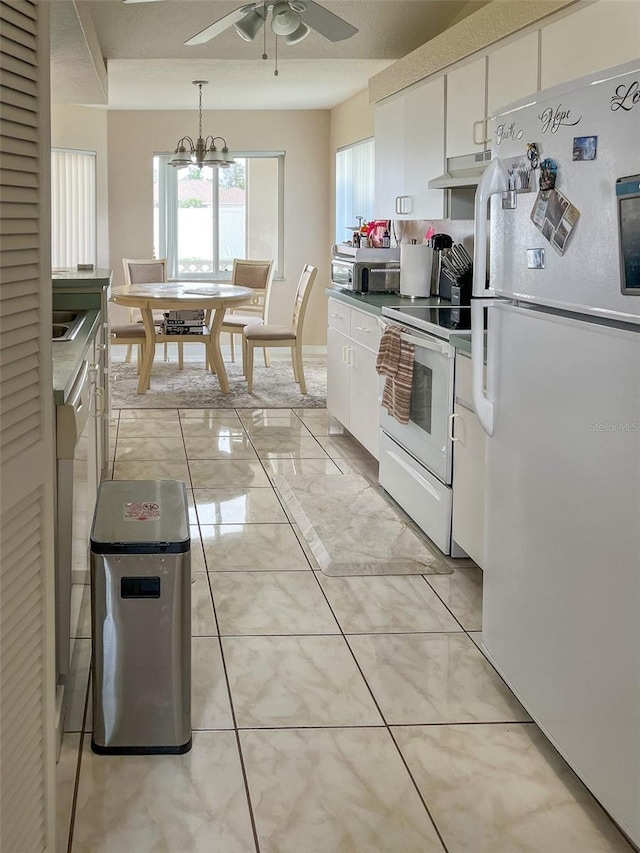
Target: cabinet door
424,148
468,483
466,96
389,166
364,409
338,374
513,72
596,37
468,467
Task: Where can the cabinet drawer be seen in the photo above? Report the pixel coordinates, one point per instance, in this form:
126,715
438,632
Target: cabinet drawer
365,329
339,316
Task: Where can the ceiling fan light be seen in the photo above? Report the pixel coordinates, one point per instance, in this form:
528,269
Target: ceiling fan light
301,33
249,27
284,20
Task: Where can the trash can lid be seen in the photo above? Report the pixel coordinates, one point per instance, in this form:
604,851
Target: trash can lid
141,516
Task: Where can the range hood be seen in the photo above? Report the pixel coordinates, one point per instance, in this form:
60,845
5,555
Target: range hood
462,171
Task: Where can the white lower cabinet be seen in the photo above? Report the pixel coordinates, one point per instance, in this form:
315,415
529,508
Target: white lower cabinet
469,447
353,384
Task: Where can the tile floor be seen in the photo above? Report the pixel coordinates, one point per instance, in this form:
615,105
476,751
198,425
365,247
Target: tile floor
330,715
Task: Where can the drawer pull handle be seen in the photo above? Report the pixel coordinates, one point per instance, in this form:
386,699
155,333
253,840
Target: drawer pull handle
100,404
336,315
363,329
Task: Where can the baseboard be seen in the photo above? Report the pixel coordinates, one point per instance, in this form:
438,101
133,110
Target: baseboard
193,352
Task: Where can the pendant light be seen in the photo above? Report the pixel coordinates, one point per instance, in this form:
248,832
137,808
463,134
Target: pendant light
202,152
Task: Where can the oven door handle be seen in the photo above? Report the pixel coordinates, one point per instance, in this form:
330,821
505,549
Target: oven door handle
426,343
434,346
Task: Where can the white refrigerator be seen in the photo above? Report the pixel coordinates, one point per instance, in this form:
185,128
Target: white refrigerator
561,408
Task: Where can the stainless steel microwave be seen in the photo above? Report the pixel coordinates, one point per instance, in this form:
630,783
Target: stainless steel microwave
366,276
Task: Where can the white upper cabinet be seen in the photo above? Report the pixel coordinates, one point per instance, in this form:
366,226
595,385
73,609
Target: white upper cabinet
409,152
513,72
596,37
466,108
389,159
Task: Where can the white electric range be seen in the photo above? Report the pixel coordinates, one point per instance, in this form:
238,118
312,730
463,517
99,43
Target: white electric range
416,458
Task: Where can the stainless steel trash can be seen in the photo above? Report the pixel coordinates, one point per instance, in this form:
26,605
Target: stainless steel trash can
141,618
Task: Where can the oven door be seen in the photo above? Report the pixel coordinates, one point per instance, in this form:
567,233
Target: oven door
426,436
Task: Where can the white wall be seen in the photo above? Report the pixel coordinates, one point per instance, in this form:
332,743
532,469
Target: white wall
85,129
134,137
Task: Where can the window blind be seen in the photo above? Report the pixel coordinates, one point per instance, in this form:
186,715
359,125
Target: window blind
73,208
354,186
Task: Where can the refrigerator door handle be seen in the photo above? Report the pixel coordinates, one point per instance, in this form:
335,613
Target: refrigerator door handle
481,403
493,181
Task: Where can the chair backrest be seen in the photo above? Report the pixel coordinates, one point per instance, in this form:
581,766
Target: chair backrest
257,275
144,271
250,273
303,292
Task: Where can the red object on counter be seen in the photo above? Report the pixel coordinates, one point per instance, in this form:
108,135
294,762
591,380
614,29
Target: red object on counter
375,231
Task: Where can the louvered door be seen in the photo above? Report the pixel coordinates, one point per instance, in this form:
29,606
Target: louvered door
27,756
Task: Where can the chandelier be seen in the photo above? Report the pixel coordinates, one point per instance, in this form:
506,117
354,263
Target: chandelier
203,152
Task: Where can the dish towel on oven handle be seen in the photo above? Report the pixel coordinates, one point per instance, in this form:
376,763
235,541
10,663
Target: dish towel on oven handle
395,361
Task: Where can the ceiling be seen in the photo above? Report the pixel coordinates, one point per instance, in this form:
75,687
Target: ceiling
149,67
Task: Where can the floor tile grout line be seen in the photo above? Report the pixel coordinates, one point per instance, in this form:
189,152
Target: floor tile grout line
444,603
234,721
422,798
382,716
76,785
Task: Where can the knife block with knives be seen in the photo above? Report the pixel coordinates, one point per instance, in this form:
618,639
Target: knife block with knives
457,268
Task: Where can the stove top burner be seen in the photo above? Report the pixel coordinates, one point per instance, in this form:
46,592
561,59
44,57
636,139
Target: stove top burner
442,321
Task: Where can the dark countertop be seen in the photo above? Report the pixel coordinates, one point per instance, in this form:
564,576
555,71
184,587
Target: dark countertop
373,303
68,355
71,278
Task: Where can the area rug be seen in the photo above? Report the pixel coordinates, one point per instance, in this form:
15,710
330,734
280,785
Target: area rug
352,530
197,388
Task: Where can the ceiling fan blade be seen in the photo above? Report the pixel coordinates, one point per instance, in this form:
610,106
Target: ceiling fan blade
323,21
220,26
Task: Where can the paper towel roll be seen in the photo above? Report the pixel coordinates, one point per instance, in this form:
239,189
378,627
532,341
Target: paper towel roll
415,269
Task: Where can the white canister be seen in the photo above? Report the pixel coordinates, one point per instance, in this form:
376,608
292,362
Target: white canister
415,269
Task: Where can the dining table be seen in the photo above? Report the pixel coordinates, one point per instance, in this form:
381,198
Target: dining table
213,298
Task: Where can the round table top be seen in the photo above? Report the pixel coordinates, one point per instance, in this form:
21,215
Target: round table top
200,294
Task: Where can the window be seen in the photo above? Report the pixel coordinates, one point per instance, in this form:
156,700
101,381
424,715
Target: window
354,186
204,218
73,207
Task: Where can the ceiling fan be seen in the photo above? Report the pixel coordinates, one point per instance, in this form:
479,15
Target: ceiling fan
290,19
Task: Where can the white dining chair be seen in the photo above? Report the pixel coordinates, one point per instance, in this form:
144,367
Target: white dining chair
266,335
258,275
149,271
